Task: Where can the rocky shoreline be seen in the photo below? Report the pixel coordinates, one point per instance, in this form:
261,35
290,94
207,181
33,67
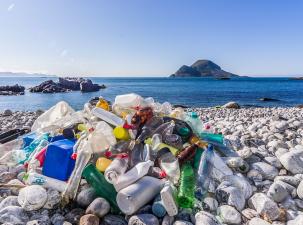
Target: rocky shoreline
270,140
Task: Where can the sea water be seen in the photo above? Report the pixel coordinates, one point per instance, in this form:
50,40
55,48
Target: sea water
196,92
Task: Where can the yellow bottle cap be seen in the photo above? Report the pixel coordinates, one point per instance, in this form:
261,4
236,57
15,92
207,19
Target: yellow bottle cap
102,163
121,133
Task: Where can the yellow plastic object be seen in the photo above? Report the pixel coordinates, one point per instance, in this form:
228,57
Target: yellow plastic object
173,150
121,133
195,140
103,104
82,127
102,163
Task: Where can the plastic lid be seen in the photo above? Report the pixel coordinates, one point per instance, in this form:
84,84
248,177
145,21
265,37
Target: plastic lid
184,131
194,115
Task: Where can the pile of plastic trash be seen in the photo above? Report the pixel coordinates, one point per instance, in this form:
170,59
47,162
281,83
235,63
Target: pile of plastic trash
133,152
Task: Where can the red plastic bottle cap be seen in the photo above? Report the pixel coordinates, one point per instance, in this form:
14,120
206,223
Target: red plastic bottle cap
127,126
207,126
162,174
91,129
108,154
25,165
74,156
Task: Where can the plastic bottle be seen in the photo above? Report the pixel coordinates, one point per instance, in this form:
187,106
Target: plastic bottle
141,117
165,129
33,178
168,196
181,128
149,127
100,185
186,196
121,133
136,154
173,140
117,168
156,172
203,173
118,148
169,163
134,174
211,137
108,117
158,208
102,163
103,104
197,157
133,197
156,144
197,141
195,122
187,154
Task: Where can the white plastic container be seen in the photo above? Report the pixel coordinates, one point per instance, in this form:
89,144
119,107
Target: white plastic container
133,197
108,117
131,100
169,203
137,172
46,182
117,168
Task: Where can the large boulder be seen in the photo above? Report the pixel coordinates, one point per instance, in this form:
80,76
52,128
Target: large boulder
231,105
293,161
72,83
49,86
88,86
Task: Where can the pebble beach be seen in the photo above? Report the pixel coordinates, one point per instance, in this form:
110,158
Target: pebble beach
270,140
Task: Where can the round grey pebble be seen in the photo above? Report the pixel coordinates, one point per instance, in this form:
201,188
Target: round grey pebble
99,207
86,196
143,219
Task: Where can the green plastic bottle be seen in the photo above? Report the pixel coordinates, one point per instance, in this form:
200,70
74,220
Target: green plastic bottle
212,137
100,185
186,190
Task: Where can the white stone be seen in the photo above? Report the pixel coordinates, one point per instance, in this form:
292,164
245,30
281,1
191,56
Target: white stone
293,161
32,197
229,214
258,221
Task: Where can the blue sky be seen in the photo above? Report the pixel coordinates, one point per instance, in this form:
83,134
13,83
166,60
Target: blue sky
151,37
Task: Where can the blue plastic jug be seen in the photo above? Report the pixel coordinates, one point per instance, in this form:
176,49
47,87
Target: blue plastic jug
58,163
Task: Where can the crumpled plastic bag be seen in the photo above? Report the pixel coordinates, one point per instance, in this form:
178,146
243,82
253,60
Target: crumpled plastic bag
55,113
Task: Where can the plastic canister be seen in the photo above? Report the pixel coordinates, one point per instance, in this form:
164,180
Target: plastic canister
58,163
133,197
102,163
168,199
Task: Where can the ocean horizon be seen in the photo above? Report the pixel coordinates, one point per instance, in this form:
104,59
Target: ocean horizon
191,92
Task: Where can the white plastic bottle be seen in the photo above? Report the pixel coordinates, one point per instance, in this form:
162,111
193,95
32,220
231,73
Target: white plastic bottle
168,199
130,177
133,197
47,182
117,168
108,117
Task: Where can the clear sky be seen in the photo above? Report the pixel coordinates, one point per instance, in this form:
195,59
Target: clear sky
150,37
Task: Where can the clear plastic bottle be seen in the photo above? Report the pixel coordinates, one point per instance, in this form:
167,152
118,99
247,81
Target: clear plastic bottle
203,173
165,129
168,196
195,122
117,168
170,164
173,140
186,190
157,144
134,174
108,117
149,127
33,178
133,197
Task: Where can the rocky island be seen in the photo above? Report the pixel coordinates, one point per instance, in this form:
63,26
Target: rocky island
203,68
67,84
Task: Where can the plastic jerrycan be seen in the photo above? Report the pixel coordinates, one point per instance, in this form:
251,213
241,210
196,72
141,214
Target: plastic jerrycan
131,100
58,162
100,185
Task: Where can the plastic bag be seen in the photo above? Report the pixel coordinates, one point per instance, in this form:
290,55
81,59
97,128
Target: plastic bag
55,113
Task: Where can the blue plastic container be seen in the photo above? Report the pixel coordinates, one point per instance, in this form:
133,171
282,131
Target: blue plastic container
28,139
58,163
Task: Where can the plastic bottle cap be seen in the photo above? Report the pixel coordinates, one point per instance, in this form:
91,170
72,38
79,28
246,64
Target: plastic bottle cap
74,156
184,131
162,174
108,154
194,115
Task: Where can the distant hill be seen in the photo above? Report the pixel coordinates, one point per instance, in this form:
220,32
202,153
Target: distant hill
203,68
12,74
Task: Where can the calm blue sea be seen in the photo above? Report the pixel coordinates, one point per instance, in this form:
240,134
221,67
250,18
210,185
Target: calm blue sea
200,92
